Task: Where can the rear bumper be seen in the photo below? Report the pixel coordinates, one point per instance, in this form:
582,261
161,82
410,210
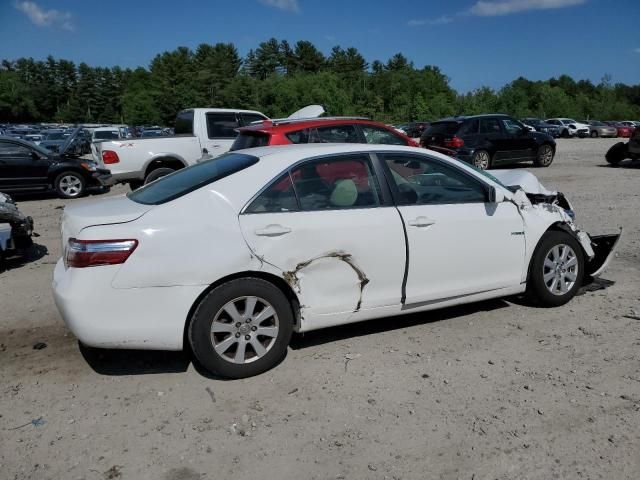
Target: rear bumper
101,316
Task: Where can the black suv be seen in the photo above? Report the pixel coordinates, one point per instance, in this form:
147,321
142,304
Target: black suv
487,141
25,167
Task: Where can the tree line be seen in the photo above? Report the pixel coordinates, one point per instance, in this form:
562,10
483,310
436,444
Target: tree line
277,78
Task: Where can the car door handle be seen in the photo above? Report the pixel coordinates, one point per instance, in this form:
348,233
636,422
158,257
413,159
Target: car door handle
272,231
421,222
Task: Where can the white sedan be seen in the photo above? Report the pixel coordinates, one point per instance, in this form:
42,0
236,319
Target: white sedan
234,254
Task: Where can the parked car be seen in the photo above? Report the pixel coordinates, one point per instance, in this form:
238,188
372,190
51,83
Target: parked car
629,123
54,140
25,167
601,129
280,240
198,131
569,128
319,130
34,138
621,130
414,129
541,126
15,228
487,141
621,151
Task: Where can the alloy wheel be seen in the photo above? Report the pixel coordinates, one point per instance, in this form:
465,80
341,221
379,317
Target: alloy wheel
545,155
481,160
560,269
70,185
244,329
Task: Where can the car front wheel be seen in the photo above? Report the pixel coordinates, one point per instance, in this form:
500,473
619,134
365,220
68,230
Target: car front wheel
241,328
557,270
69,185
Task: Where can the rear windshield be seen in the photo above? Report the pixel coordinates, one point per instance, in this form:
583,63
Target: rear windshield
250,140
191,178
106,135
443,128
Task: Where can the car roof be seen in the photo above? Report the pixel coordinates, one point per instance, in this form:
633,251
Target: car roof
462,118
222,110
298,124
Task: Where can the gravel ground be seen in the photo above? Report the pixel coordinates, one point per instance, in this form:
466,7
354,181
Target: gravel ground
494,390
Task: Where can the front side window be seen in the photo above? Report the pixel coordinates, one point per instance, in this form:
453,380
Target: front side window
381,136
222,125
8,149
423,181
489,125
511,126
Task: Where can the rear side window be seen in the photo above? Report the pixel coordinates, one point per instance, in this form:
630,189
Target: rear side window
278,197
250,140
299,136
334,134
469,127
490,125
381,136
184,123
443,128
191,178
222,125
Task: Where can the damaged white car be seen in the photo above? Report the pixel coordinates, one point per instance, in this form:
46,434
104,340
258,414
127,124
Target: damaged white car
234,254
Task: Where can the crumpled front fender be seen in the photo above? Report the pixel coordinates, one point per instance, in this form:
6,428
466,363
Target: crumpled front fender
604,248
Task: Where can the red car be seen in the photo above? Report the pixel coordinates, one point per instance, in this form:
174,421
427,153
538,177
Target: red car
318,130
623,130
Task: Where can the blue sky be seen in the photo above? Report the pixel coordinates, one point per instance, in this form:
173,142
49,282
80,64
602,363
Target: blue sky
475,43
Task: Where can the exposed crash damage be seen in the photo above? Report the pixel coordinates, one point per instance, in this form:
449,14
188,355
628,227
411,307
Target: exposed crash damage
15,228
529,193
291,277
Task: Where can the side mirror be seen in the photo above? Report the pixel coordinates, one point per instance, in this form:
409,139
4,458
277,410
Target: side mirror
496,195
35,155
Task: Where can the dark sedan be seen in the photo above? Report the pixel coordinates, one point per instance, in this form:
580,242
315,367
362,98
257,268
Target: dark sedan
486,141
25,167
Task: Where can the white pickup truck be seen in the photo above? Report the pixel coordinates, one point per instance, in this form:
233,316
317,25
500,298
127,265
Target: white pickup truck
198,132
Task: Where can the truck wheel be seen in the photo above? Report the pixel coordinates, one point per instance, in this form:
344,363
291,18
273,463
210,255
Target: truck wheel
158,173
617,153
556,270
69,185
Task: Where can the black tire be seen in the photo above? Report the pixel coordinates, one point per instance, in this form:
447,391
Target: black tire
158,173
69,185
481,159
617,153
545,155
538,292
594,134
211,307
135,184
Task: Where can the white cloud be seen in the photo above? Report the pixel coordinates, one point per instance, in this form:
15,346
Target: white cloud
494,8
441,20
287,5
45,18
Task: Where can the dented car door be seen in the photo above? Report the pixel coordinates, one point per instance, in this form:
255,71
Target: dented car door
459,243
326,226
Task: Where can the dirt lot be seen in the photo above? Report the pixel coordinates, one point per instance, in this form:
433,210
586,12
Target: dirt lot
496,390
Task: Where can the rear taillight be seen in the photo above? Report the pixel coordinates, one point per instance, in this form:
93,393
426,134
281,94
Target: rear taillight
454,142
91,253
109,156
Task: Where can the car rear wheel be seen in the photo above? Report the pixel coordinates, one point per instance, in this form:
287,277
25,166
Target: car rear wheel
241,328
481,159
556,271
545,156
158,173
69,185
594,134
617,153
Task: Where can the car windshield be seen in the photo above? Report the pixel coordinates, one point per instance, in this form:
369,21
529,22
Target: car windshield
443,128
568,120
191,178
106,135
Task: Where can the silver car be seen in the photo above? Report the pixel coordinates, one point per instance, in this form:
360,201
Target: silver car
600,129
